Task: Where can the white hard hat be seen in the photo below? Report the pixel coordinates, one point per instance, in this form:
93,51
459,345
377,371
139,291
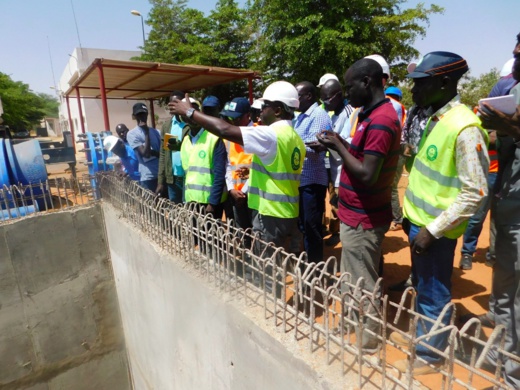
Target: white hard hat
109,142
326,77
257,104
381,61
282,91
507,69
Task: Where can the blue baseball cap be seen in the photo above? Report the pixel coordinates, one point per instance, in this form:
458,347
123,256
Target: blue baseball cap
394,91
438,63
236,108
211,101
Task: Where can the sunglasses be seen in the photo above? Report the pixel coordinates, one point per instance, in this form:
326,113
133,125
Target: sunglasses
327,101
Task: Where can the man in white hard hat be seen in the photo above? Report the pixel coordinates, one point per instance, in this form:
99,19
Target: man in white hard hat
278,153
125,153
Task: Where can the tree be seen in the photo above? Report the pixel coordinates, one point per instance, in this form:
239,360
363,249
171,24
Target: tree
472,89
301,40
23,108
51,105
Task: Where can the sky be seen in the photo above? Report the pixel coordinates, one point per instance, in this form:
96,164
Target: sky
38,36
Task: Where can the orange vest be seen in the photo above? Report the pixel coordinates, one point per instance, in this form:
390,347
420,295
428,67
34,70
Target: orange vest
238,159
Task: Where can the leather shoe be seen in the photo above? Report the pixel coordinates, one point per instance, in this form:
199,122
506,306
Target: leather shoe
419,368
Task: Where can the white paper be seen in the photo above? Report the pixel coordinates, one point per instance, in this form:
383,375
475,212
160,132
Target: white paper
505,104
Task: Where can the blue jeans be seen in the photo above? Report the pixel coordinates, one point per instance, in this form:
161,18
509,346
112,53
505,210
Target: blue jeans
475,223
310,221
149,184
176,191
432,272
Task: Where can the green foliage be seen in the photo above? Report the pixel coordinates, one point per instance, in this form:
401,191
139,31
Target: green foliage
294,41
301,40
472,89
24,109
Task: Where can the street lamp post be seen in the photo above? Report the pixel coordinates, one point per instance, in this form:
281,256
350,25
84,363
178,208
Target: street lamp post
137,13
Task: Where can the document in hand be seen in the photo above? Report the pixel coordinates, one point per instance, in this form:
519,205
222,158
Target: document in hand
505,104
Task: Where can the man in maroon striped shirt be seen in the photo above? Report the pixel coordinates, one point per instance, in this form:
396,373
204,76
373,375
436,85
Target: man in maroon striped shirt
365,192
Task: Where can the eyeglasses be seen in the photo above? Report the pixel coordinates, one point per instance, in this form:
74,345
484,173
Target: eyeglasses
265,105
327,101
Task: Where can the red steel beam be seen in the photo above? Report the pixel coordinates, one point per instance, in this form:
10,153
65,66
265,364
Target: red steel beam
250,85
152,112
103,95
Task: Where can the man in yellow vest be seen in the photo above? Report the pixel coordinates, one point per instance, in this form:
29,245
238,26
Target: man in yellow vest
204,158
237,112
278,153
447,183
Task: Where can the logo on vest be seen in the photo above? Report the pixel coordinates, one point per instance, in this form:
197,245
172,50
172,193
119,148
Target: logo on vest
296,159
431,152
202,154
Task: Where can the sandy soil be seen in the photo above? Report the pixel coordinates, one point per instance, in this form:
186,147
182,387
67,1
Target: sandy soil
470,289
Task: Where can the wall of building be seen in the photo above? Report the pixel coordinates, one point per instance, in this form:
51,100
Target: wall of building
60,326
182,334
120,111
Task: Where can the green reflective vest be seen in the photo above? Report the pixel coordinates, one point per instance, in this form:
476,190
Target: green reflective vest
433,183
197,162
273,188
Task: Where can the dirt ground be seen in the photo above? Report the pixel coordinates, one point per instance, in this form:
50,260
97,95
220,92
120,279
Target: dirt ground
470,289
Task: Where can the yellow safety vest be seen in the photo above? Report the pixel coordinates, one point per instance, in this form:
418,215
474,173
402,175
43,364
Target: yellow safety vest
433,183
197,162
273,188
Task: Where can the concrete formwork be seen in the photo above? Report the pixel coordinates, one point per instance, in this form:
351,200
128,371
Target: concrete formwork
182,334
60,326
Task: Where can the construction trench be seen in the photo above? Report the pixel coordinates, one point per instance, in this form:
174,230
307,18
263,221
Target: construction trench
114,289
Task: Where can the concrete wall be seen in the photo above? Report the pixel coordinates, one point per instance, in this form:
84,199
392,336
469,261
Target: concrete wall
60,326
182,334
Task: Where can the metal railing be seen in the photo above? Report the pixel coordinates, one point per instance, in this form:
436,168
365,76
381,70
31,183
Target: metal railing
314,302
18,201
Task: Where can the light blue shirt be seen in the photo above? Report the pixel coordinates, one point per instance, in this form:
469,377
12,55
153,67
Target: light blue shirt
308,124
176,130
148,167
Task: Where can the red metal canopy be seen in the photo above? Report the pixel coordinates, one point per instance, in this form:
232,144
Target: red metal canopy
137,80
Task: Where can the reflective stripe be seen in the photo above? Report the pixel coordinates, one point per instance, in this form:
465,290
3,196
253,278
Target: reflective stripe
446,181
422,204
273,197
274,175
198,187
192,168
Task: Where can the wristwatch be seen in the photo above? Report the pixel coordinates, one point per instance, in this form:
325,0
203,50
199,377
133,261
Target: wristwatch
189,113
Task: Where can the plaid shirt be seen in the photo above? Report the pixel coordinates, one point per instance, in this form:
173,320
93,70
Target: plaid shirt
308,124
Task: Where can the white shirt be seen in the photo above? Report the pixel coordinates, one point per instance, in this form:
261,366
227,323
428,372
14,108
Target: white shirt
262,140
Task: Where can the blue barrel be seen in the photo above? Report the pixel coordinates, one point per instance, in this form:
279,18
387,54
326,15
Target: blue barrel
28,167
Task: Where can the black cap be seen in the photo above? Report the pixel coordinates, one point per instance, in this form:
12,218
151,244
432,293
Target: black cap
438,63
121,127
139,108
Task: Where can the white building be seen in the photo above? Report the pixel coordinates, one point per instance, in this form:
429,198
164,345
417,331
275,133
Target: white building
120,111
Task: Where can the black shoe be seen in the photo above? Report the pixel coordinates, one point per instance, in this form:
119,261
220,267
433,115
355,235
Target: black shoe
402,285
466,262
483,318
333,240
